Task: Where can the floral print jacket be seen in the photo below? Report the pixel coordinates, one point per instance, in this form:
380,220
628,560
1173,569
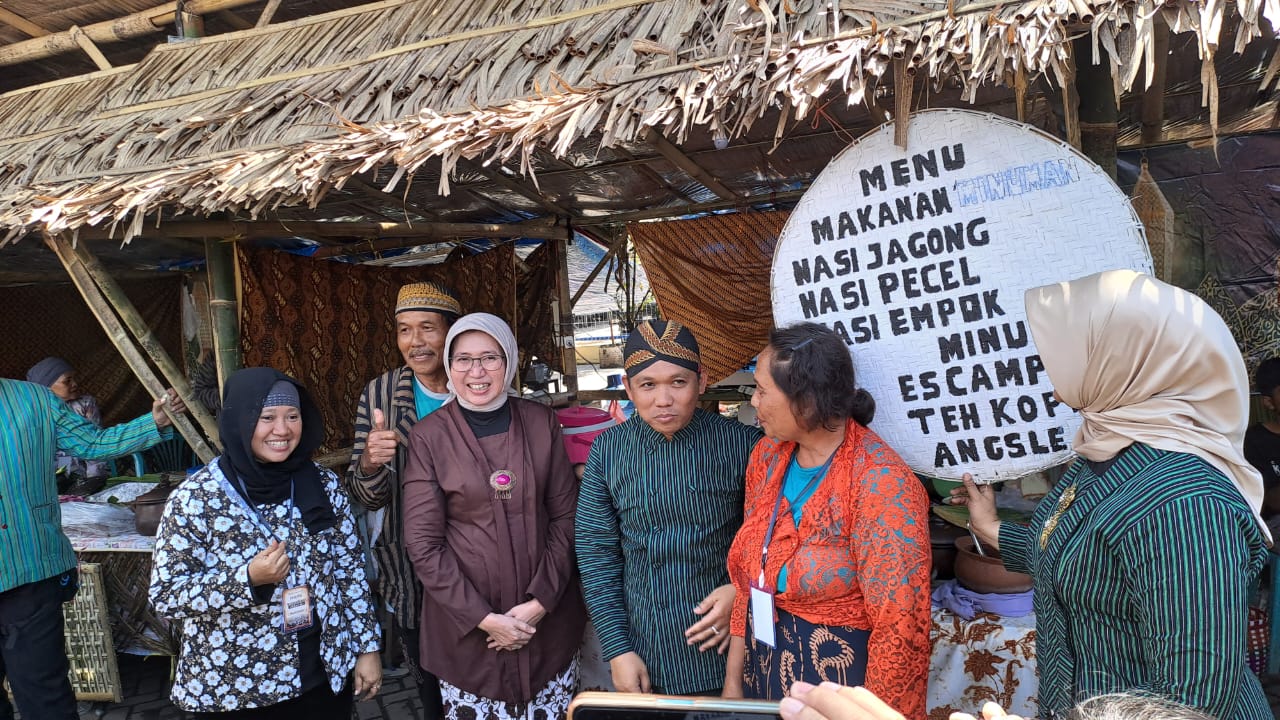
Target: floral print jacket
235,653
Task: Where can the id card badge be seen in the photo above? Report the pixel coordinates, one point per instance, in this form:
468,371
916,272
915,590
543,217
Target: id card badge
762,614
295,604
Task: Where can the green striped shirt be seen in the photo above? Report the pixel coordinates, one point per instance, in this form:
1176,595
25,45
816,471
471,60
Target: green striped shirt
655,521
34,424
1144,585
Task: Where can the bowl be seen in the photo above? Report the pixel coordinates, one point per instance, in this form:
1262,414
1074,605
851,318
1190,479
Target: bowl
986,574
944,487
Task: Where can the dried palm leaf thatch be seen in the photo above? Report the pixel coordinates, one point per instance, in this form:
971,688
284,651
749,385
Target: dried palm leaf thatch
256,120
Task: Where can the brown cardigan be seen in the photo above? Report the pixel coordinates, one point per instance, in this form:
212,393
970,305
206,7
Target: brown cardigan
476,554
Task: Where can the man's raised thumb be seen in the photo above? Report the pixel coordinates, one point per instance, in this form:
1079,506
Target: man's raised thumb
379,419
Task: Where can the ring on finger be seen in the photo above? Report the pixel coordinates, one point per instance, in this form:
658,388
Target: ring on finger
714,630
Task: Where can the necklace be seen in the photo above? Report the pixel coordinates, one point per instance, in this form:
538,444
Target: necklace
1064,502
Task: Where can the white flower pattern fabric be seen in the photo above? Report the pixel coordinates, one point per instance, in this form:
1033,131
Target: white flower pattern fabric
235,654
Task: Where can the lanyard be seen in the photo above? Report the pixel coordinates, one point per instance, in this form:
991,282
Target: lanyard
777,504
253,511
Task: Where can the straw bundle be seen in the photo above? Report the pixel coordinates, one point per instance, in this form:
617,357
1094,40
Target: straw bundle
252,121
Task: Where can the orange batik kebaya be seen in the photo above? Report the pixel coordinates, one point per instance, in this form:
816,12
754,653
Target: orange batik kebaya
856,586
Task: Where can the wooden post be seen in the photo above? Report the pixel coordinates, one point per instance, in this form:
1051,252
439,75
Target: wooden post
1098,111
112,291
120,338
564,319
1153,96
221,258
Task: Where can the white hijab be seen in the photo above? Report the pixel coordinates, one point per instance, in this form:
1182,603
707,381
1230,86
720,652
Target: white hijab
1146,362
496,328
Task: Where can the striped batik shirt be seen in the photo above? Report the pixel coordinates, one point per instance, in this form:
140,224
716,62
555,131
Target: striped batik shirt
655,521
34,425
1143,586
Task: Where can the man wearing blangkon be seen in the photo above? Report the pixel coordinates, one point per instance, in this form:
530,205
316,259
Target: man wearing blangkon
660,502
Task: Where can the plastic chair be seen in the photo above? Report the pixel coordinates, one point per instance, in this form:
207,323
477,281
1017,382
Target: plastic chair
173,455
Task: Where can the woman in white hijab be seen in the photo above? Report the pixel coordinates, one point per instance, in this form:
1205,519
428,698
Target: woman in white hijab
1144,552
489,501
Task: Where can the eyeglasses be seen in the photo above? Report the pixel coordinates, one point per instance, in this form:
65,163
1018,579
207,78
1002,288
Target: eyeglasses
464,363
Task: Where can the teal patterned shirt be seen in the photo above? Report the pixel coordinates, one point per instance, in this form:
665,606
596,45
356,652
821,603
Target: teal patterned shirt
655,521
34,425
1143,586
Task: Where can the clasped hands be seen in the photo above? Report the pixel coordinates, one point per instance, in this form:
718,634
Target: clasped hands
514,629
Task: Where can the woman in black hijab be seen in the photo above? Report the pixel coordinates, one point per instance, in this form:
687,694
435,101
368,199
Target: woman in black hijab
258,556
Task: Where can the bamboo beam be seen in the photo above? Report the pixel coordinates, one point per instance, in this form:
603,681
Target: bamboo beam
674,155
116,333
123,307
402,202
220,259
516,187
129,26
692,208
1153,96
89,48
268,12
13,19
591,277
312,228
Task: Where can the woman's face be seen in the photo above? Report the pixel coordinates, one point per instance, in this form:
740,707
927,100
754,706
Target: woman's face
773,409
277,434
477,368
66,387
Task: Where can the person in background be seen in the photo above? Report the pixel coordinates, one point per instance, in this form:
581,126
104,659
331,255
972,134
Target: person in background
258,556
835,542
37,564
1143,554
1262,441
389,407
83,477
489,499
661,499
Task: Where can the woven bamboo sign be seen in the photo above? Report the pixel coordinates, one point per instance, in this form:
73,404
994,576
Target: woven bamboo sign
919,259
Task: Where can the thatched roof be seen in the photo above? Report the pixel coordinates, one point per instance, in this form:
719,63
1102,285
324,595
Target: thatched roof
252,122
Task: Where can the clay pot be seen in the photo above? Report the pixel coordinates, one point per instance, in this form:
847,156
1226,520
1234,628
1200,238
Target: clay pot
986,574
149,506
942,542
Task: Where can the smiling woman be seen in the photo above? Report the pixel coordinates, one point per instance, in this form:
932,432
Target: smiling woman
489,498
258,556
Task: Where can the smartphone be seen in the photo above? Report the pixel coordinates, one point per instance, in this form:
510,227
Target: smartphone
636,706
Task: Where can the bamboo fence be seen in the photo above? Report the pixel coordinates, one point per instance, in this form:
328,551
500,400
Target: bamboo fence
252,121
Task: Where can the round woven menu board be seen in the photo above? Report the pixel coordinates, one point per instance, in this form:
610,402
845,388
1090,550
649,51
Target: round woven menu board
919,259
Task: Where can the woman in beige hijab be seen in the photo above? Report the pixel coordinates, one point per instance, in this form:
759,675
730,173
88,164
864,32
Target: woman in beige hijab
1144,552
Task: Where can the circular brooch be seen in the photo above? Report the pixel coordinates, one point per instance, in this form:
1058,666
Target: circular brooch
502,482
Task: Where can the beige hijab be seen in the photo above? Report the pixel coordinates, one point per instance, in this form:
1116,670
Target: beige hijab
1147,362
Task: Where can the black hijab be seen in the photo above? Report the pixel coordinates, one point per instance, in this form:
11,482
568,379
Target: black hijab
268,483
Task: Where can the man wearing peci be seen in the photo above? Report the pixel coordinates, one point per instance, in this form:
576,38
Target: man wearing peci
660,502
390,406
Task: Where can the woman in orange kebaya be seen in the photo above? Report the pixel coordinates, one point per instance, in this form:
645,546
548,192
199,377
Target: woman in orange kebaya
831,565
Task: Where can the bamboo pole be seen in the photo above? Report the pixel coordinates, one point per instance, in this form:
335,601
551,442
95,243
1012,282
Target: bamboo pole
114,294
1098,112
1153,96
120,338
564,320
537,230
221,259
129,26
